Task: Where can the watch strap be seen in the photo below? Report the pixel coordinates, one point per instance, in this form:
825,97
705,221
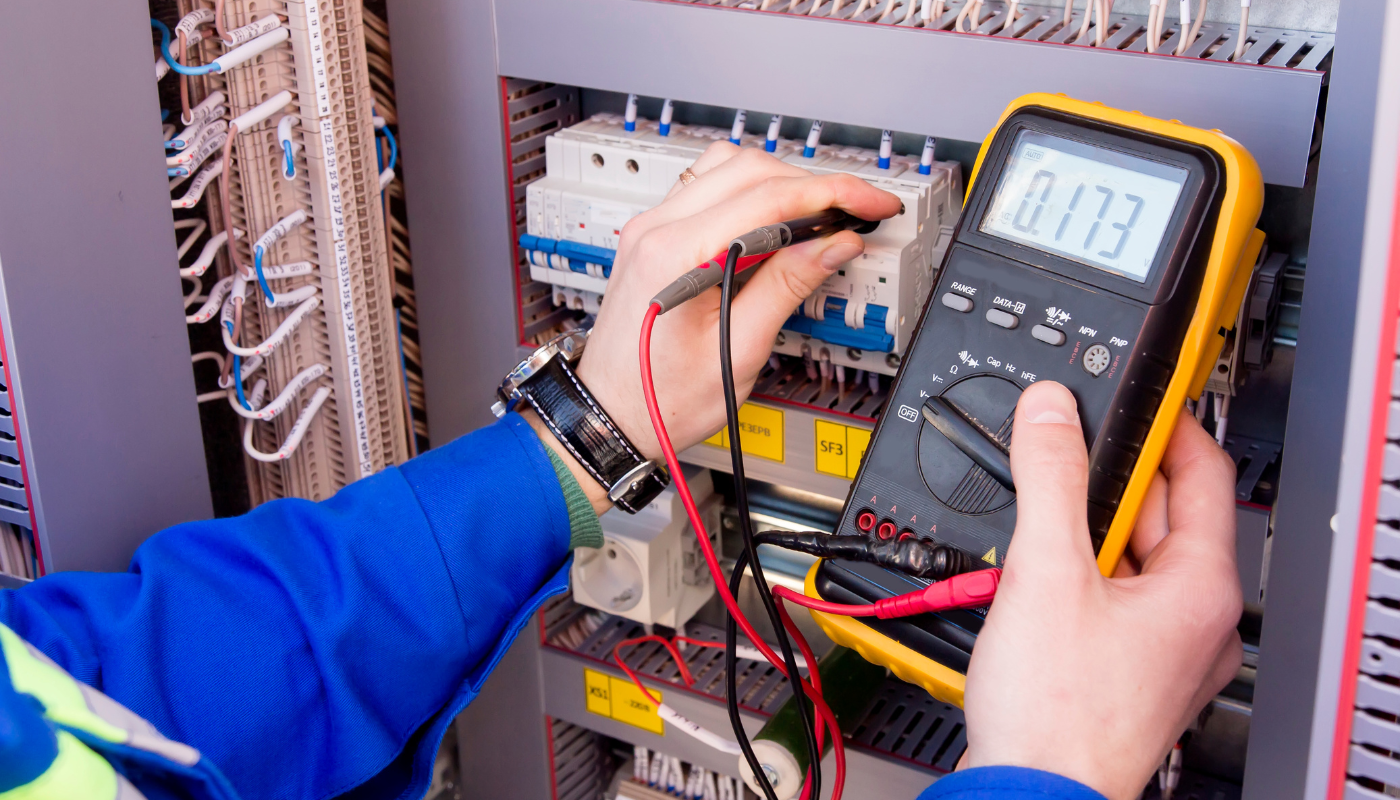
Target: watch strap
589,434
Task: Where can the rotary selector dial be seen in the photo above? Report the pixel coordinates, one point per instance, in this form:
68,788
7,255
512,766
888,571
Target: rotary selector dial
989,403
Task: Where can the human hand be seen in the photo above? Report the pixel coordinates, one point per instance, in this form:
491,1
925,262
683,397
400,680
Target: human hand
735,191
1095,678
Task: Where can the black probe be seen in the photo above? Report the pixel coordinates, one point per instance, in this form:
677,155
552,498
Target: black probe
757,245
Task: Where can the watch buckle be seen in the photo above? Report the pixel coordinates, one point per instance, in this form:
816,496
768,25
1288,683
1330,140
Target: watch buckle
630,481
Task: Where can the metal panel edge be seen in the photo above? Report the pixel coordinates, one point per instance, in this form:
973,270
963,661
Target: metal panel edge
1284,760
730,57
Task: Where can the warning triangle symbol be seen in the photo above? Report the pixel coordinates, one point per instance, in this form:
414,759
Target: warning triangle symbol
991,557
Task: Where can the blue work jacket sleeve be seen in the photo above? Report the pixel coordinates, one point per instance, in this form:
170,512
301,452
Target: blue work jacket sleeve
1007,783
310,649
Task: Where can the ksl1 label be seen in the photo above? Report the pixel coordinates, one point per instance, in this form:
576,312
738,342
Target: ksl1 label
840,448
761,432
619,699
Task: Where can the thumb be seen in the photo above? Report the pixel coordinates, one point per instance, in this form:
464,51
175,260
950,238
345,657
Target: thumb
783,282
1051,468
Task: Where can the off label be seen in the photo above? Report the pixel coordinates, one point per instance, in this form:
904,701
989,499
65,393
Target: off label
761,432
620,700
839,448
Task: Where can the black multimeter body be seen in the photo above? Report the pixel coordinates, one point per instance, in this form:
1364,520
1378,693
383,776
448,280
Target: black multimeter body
1005,314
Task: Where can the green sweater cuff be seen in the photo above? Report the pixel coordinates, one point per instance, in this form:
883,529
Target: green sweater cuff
585,531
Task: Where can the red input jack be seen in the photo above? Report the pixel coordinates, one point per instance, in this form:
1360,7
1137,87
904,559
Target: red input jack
886,530
865,521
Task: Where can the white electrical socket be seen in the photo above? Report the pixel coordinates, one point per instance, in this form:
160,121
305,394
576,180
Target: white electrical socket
649,568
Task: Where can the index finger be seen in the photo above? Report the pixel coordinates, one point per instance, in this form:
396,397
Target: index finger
1200,496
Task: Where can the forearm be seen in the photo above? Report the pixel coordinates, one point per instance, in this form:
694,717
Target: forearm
348,622
1007,783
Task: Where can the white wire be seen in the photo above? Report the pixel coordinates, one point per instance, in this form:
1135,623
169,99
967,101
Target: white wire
250,365
1010,15
639,763
211,306
199,226
283,398
292,269
696,731
209,355
291,298
294,438
201,181
1222,416
210,107
284,226
1242,40
206,256
193,296
278,336
186,154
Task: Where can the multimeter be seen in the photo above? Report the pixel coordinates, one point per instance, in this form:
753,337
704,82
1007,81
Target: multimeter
1103,249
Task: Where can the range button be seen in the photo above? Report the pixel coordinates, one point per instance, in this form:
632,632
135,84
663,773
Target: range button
1051,336
957,302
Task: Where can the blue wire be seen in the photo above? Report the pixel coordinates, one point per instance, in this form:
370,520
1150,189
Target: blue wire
238,374
164,114
176,172
289,167
175,65
262,282
393,147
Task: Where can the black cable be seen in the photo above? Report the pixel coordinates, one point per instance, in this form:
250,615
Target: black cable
741,499
731,684
919,558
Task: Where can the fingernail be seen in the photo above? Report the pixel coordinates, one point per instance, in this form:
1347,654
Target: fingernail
839,253
1049,403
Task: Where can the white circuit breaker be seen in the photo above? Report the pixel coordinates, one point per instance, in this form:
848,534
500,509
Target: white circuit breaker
598,176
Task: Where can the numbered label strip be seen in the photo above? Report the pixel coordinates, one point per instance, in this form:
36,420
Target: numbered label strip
839,448
761,432
618,699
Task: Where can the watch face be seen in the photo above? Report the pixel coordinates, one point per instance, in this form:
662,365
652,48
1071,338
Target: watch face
568,344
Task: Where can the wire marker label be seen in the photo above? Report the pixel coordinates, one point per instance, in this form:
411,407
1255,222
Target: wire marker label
839,448
618,699
761,431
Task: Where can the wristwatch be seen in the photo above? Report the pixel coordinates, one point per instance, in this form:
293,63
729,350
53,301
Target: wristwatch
546,380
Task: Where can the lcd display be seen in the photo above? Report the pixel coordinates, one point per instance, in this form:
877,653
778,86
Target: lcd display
1093,205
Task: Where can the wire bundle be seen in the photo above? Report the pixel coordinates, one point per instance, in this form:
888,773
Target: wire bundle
206,132
965,591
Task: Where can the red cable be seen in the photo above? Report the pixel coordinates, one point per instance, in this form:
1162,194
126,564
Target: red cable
693,513
969,590
671,648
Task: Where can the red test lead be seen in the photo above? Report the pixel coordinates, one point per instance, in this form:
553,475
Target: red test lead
969,590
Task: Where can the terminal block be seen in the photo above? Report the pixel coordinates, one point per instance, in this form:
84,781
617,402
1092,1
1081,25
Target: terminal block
599,175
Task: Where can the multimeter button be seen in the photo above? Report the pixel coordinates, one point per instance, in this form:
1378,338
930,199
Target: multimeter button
1049,335
1001,319
957,302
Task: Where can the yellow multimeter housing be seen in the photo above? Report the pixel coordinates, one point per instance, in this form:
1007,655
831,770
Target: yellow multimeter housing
1104,249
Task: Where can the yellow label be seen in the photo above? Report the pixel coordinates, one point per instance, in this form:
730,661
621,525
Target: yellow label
990,557
598,694
619,699
840,448
857,439
762,432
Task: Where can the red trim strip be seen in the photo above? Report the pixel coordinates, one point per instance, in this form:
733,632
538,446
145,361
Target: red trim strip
549,738
510,209
1366,525
19,445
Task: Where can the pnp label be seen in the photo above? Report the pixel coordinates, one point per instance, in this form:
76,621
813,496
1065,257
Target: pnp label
761,432
840,448
618,699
